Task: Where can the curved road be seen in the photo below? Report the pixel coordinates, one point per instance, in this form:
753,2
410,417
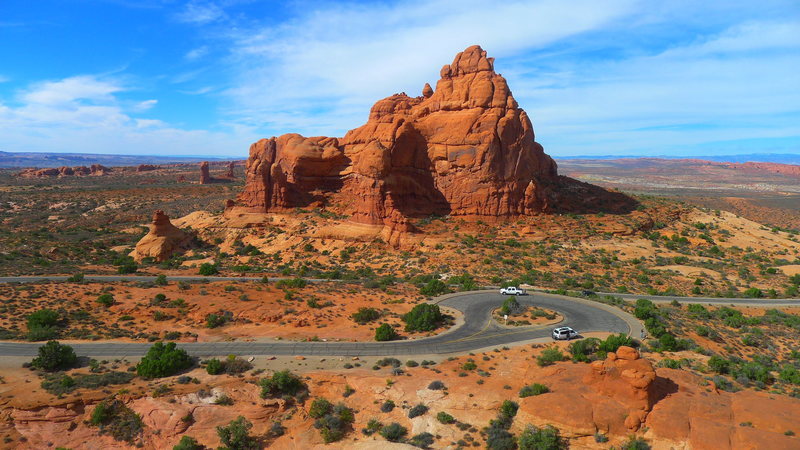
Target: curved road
478,331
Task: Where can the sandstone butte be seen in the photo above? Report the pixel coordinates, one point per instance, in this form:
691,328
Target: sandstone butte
162,240
464,149
229,172
205,178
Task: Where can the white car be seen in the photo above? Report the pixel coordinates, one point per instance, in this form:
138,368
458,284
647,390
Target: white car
564,333
512,290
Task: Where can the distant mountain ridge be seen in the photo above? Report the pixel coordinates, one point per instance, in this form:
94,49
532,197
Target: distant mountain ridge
32,159
779,158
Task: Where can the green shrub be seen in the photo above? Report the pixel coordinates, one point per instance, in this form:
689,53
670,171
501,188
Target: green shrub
281,383
385,332
215,320
433,288
582,349
394,432
533,389
44,318
207,269
105,300
719,364
547,438
319,407
445,418
54,356
423,317
163,361
294,283
75,278
417,410
58,384
188,443
549,356
614,342
161,280
236,436
214,366
334,424
510,306
753,293
364,315
422,440
116,419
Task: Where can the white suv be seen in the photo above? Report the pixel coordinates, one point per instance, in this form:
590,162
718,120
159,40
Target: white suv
512,290
564,333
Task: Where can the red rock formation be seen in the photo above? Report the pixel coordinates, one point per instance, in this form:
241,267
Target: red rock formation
465,149
162,241
145,167
229,173
99,169
205,178
181,178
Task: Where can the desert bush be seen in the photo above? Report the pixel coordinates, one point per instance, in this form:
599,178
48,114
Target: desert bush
549,356
105,300
582,349
188,443
236,436
116,419
319,407
207,269
433,288
163,361
423,317
510,306
385,332
436,386
387,406
364,315
282,383
54,356
214,366
58,384
547,438
614,342
422,440
394,432
215,320
445,418
43,324
533,389
335,422
417,410
373,426
294,283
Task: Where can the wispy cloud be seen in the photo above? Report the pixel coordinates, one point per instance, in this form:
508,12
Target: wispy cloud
342,57
201,13
85,114
196,53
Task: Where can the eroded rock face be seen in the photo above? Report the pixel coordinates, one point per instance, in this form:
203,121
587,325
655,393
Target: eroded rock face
95,169
162,241
463,149
229,173
145,167
205,177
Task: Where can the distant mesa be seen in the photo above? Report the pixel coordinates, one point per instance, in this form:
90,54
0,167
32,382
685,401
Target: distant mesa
162,241
465,149
146,167
65,171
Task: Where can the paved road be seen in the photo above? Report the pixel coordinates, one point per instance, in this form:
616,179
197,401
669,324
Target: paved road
478,331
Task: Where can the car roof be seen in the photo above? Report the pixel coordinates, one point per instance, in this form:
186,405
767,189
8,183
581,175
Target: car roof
563,329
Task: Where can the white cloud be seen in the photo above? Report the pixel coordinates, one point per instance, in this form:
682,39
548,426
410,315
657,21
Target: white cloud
83,114
342,58
145,105
196,53
201,13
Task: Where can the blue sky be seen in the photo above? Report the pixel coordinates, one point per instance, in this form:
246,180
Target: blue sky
621,77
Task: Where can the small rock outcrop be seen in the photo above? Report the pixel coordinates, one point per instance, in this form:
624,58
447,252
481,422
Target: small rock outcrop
205,177
229,172
145,167
163,240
